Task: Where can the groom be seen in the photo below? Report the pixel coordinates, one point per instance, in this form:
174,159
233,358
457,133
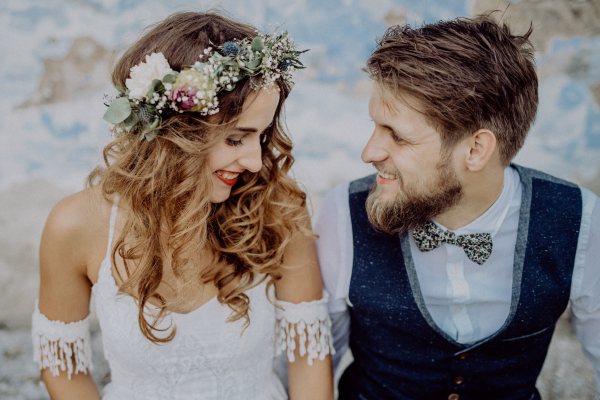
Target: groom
449,268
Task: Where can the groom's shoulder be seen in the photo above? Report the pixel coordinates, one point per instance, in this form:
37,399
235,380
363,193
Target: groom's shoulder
361,185
528,174
556,190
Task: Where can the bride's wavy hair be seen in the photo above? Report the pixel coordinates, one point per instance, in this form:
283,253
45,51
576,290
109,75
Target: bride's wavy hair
165,186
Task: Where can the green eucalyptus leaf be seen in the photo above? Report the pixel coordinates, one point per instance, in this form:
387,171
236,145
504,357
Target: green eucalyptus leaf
200,67
118,110
246,72
257,44
232,63
150,135
151,130
154,87
253,64
156,122
169,78
120,89
131,120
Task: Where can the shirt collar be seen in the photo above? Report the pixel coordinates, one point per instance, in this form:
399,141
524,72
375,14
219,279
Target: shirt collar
491,220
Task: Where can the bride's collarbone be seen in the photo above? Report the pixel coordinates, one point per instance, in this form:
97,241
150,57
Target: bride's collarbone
186,298
182,295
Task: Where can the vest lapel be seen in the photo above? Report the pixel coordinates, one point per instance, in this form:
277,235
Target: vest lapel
519,259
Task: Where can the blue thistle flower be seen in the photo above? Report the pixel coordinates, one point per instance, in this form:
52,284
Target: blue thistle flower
231,49
146,115
284,64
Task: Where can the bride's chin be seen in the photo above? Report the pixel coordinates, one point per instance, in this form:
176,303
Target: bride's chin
219,196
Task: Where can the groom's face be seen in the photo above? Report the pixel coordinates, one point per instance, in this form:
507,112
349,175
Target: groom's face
416,177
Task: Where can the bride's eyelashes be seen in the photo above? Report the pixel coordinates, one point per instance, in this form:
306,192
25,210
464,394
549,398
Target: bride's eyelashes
233,142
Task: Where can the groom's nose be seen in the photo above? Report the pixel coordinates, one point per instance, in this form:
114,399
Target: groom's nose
375,150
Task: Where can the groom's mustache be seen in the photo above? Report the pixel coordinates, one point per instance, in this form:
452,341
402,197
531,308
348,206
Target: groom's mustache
386,168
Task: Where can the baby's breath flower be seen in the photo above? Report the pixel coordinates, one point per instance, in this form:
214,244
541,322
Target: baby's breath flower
195,88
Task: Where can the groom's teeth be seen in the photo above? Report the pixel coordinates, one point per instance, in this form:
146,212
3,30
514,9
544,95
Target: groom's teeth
387,176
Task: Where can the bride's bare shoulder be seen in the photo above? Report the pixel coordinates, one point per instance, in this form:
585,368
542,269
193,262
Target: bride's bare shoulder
81,210
72,247
78,222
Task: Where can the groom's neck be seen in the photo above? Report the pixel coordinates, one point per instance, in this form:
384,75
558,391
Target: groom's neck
481,189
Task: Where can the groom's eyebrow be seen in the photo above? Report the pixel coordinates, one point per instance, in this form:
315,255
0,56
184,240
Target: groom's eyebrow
394,131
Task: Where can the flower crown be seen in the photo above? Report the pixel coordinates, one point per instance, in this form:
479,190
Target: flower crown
154,89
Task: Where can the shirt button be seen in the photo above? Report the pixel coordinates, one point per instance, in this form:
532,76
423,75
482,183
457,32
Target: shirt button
455,269
463,356
457,309
453,396
459,380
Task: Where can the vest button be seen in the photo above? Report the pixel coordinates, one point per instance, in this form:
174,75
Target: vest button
458,380
453,396
463,356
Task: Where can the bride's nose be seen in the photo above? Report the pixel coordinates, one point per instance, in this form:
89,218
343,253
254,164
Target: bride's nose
251,157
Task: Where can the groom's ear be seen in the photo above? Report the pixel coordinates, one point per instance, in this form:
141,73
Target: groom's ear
480,149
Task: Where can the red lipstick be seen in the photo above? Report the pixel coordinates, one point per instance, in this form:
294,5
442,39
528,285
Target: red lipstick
228,182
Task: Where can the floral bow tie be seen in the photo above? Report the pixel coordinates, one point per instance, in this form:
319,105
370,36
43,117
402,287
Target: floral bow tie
477,246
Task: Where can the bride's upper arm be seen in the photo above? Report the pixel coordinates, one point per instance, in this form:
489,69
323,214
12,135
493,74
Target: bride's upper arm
301,277
64,252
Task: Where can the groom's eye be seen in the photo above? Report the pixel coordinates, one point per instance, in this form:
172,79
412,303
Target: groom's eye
395,136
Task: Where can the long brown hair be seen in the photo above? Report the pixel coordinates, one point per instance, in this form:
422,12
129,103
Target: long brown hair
165,186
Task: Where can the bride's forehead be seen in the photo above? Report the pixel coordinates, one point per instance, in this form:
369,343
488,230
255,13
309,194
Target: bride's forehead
259,108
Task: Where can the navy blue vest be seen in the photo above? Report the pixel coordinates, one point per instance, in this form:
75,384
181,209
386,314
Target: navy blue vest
400,353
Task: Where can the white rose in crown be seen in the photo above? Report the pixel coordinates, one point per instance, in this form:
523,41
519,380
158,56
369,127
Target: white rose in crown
142,75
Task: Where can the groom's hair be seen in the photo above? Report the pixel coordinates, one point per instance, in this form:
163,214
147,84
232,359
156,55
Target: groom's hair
466,74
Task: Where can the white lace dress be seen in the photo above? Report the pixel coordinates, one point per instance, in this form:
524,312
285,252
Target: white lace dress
209,358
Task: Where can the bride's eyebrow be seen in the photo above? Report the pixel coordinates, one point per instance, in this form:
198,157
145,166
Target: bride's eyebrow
245,129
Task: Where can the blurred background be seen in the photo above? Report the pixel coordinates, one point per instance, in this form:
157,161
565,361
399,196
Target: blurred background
55,59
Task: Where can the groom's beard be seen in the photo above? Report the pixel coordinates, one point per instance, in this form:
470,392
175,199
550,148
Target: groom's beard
415,204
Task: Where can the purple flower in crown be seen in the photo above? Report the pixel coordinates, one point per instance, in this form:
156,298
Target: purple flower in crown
184,96
193,90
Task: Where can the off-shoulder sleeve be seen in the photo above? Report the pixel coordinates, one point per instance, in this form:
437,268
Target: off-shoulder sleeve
60,345
310,322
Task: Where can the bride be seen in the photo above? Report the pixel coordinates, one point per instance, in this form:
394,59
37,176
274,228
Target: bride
193,239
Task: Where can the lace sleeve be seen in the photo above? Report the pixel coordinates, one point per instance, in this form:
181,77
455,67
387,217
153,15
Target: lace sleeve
311,322
57,344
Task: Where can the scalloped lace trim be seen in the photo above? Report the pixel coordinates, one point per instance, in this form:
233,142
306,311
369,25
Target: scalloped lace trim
311,322
60,345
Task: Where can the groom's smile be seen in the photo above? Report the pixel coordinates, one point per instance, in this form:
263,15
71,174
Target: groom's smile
403,148
404,141
385,176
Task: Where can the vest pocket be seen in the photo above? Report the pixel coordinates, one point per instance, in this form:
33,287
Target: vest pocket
529,335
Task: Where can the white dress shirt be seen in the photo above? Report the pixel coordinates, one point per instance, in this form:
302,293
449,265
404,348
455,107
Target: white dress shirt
467,301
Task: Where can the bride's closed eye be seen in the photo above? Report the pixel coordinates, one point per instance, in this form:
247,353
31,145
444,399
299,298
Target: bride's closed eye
233,142
237,140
